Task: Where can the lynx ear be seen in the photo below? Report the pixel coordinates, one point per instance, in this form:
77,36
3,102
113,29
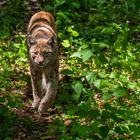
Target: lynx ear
51,41
32,41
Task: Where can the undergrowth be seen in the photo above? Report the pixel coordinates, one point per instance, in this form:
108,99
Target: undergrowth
99,93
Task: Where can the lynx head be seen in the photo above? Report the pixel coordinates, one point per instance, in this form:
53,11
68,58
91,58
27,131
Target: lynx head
42,51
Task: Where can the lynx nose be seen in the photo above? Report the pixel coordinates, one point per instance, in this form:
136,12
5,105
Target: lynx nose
40,63
40,60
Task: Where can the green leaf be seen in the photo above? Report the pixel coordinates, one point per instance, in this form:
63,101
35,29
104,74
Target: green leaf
81,130
106,114
101,83
71,109
120,92
91,77
95,113
2,100
97,83
76,5
104,83
59,2
104,131
86,54
49,7
97,46
102,45
113,75
67,72
107,30
102,74
77,87
65,43
132,85
102,59
119,130
64,137
83,106
123,79
7,138
106,96
94,127
12,104
76,54
135,130
75,33
114,61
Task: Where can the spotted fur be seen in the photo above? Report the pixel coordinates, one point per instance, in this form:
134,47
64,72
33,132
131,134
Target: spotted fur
43,58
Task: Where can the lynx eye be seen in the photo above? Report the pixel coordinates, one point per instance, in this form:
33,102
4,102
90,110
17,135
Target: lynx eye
35,53
46,53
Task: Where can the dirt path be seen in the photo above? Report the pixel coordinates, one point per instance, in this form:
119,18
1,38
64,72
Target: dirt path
30,125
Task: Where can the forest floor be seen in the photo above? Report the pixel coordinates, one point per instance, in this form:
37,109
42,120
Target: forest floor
32,126
99,88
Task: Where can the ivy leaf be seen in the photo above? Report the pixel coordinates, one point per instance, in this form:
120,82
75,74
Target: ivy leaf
104,83
123,79
94,127
101,58
101,83
91,77
59,2
76,54
11,104
132,85
119,130
83,106
71,109
76,5
104,131
86,54
77,87
106,96
81,130
135,129
67,72
97,83
7,138
120,92
66,43
75,33
99,46
108,30
2,100
113,75
102,74
63,137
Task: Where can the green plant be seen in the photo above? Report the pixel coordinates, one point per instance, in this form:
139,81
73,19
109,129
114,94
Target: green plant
100,86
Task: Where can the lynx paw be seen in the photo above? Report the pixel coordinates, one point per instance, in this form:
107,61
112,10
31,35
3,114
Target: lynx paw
41,108
35,104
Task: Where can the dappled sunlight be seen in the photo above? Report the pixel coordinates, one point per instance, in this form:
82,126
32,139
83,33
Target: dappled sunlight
99,84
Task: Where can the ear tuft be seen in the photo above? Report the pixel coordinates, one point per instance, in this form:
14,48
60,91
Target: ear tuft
51,41
32,41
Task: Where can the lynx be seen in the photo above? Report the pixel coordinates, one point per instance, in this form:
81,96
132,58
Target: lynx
43,58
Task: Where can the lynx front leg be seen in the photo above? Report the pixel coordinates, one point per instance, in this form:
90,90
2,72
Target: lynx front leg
36,78
49,97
